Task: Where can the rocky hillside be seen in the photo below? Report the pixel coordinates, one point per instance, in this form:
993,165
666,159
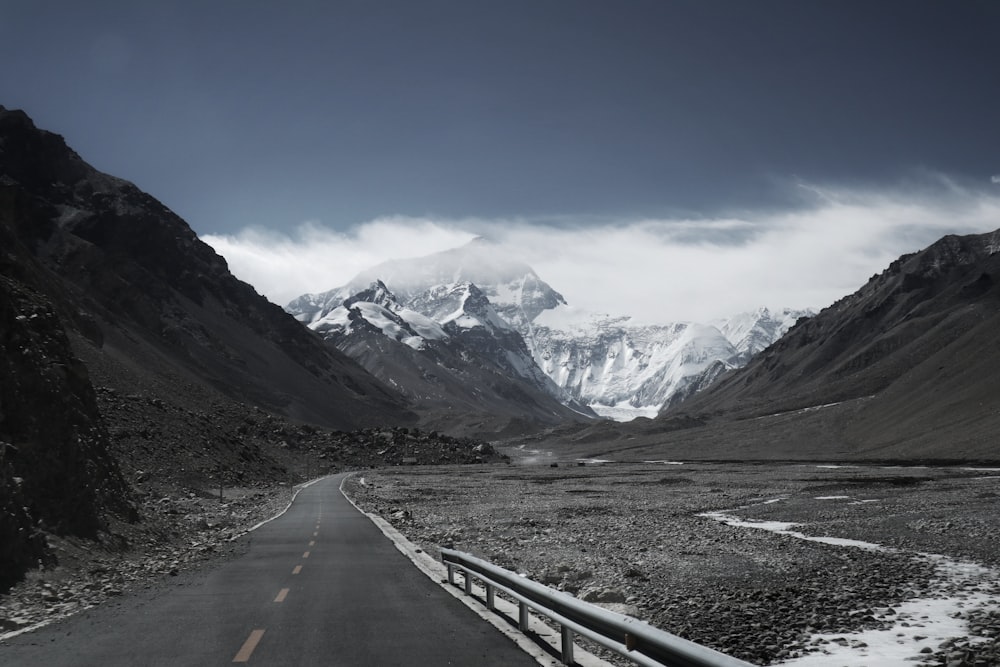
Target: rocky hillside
463,368
56,472
904,368
130,356
150,289
917,328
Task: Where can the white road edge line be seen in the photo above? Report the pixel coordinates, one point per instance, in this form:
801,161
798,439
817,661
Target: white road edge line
438,573
39,626
30,628
290,503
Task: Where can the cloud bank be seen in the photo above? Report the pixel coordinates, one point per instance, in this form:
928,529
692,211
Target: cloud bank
654,269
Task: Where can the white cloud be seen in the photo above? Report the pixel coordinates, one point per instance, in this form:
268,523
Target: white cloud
995,178
314,258
670,269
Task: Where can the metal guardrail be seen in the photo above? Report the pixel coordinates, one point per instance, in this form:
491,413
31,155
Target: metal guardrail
627,636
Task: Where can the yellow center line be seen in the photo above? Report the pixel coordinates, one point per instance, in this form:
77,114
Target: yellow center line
282,594
248,646
305,555
298,568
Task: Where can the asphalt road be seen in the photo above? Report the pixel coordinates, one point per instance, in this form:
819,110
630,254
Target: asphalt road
321,585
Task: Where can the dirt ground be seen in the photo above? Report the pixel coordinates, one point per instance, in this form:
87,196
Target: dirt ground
706,551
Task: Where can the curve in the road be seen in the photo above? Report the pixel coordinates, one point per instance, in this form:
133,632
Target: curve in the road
318,585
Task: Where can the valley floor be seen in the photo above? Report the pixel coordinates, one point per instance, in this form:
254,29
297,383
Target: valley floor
797,564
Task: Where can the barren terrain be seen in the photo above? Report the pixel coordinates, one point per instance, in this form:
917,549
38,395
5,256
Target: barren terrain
179,533
183,519
912,578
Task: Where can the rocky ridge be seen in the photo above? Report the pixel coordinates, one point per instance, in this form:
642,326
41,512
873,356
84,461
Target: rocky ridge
610,364
447,350
128,350
902,369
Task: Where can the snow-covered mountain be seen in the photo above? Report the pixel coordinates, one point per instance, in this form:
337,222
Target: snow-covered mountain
617,367
453,312
457,361
624,370
512,287
753,331
377,308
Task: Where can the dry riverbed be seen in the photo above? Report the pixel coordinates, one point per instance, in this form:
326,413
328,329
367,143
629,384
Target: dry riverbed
725,554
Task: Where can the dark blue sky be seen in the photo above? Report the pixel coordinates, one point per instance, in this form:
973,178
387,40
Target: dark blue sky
238,113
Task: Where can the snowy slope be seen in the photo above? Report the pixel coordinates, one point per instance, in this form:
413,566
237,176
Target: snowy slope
378,307
517,293
618,368
622,370
753,331
458,317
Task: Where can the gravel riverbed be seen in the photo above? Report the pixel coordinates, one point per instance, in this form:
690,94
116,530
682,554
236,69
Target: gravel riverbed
722,554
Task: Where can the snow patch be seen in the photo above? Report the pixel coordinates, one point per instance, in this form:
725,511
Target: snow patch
920,624
624,412
785,528
422,325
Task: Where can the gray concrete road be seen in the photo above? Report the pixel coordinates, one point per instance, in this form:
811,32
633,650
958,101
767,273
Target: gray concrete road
321,585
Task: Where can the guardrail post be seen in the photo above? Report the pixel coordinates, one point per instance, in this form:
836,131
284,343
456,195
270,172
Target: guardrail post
522,617
451,574
491,597
567,646
468,582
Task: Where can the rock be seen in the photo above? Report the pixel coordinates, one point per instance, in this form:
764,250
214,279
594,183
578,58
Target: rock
604,595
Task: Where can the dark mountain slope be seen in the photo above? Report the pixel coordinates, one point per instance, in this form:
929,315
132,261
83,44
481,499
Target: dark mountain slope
133,364
905,368
134,276
471,378
56,472
916,312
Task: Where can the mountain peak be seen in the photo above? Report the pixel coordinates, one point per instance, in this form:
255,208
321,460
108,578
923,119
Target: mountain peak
478,289
15,115
513,288
376,293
